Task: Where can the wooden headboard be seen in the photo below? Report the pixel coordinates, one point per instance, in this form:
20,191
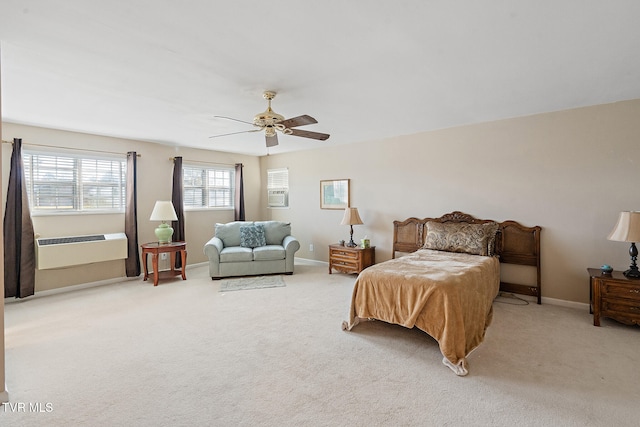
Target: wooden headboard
515,244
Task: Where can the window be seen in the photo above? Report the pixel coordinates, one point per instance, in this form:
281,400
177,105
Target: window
67,183
278,188
208,187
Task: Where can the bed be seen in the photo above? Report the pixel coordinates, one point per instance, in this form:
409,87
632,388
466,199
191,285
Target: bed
446,280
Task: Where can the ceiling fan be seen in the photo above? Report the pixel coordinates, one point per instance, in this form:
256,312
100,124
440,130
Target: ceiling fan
271,123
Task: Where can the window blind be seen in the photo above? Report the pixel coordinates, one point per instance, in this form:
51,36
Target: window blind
208,187
69,183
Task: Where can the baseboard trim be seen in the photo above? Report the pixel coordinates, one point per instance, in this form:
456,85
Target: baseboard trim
310,261
71,288
565,303
551,301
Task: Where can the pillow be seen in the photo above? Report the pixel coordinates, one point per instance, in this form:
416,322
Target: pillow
275,231
252,236
475,239
229,233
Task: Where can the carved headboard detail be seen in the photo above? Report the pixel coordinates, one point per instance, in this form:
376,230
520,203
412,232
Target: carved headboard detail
515,244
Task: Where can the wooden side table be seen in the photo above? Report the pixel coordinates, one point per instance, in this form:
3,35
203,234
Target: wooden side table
615,296
350,260
155,249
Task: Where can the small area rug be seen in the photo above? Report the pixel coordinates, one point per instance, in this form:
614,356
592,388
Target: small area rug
257,282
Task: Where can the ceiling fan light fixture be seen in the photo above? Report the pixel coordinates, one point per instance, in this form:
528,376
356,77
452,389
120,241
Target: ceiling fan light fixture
268,117
271,123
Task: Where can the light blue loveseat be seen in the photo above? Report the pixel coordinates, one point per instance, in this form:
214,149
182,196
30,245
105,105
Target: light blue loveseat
248,248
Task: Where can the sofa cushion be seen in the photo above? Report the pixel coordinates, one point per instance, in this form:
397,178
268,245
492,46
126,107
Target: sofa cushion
230,233
252,236
268,253
275,231
235,254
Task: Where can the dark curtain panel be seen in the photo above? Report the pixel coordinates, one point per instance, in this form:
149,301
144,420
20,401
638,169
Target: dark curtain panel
132,263
239,196
178,205
19,240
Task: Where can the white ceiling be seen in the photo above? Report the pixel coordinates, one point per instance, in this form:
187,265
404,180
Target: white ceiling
159,70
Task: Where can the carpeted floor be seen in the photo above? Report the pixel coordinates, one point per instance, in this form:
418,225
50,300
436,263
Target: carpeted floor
185,354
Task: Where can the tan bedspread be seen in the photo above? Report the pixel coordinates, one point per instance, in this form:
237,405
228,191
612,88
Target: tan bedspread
447,295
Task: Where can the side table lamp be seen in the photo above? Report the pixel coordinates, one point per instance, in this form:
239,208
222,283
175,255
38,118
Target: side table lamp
351,218
627,229
164,211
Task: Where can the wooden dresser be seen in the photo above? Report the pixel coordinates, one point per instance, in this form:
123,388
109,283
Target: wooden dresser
350,260
614,296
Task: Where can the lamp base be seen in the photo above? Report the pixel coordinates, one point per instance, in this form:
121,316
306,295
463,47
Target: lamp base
164,233
632,272
351,243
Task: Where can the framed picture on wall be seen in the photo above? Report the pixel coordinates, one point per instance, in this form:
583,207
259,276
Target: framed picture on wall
334,194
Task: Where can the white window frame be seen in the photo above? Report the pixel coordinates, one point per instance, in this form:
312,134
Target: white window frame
76,177
213,178
278,188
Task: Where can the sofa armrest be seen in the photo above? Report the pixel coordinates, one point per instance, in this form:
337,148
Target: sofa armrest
213,247
291,245
212,250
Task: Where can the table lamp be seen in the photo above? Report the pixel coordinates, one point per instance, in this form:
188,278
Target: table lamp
351,218
628,230
164,211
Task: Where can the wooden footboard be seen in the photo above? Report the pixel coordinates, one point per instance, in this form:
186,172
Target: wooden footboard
515,244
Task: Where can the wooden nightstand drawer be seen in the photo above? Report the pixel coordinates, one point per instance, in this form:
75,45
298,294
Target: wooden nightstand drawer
342,254
345,263
350,259
621,306
345,267
614,295
620,290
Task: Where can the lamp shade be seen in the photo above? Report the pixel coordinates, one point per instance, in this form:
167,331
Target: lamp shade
351,217
627,228
163,211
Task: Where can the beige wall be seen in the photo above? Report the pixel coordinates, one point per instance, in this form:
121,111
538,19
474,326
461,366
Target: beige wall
154,183
570,172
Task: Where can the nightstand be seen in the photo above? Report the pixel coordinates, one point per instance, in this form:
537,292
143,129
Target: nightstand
350,260
613,295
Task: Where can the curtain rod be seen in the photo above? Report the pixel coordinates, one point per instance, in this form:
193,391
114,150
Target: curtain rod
67,148
202,161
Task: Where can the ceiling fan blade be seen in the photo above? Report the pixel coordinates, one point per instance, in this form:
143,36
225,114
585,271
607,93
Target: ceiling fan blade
298,121
272,141
235,133
309,134
235,120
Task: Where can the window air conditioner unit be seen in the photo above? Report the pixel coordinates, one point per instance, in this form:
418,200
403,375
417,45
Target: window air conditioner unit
278,198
